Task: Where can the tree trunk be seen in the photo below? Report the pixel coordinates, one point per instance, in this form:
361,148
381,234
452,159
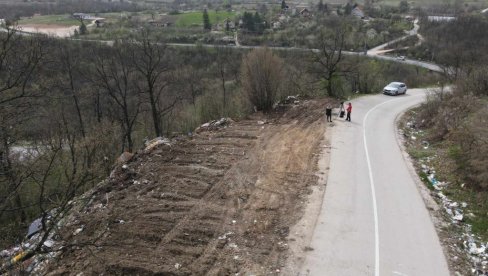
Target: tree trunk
155,115
224,111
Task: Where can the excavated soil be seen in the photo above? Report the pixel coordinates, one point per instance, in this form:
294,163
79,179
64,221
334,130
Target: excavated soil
219,203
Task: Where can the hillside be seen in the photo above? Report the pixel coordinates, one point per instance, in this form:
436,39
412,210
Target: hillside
220,202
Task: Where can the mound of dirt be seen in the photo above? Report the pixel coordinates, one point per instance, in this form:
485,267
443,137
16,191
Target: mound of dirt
219,203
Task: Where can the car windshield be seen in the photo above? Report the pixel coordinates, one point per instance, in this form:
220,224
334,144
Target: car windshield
394,84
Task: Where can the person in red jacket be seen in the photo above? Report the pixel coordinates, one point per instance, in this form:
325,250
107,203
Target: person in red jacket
349,110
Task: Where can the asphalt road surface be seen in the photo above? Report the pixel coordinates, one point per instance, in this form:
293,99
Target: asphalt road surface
373,219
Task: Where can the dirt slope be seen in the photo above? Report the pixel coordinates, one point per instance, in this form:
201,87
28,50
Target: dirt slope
217,204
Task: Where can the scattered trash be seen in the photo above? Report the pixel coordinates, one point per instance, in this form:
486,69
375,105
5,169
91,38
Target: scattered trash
291,100
177,266
224,236
77,231
458,217
49,243
155,142
214,125
432,179
475,250
457,212
34,227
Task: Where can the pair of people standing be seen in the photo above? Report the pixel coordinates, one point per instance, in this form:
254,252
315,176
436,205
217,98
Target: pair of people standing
341,112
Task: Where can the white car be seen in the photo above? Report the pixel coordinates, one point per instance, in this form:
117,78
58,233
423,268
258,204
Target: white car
402,58
395,88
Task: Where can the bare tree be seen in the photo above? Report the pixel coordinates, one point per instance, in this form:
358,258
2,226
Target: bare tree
330,55
191,81
56,175
151,63
116,76
67,79
223,58
19,59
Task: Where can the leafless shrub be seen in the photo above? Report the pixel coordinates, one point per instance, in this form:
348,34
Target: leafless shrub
472,140
262,75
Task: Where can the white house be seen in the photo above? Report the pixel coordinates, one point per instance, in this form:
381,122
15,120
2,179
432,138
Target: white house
358,12
435,18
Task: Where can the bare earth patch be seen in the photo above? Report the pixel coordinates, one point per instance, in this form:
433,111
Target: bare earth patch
220,203
49,29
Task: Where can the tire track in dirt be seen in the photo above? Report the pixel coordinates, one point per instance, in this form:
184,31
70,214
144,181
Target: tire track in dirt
217,204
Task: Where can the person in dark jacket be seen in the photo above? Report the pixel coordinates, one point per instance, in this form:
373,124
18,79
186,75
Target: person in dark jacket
328,113
349,110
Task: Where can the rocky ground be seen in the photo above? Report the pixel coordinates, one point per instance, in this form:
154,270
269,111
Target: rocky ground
219,203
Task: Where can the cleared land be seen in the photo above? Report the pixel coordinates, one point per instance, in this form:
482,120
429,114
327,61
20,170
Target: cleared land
219,203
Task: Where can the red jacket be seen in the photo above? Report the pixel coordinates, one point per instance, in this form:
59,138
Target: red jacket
349,108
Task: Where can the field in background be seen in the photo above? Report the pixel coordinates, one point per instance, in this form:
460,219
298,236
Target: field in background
196,18
62,20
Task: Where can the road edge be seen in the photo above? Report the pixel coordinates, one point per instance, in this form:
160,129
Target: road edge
431,205
302,232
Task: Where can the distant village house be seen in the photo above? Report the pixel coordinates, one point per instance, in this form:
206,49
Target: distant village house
305,12
156,23
358,12
435,18
82,16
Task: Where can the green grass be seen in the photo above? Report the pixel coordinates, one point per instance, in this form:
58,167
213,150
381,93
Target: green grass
196,18
63,20
425,180
420,153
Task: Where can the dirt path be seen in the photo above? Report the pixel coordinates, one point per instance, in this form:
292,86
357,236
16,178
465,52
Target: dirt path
219,204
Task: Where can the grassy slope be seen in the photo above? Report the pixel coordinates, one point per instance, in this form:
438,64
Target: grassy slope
196,18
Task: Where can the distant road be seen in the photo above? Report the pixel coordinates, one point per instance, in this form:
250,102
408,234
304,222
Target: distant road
377,51
373,53
427,65
373,219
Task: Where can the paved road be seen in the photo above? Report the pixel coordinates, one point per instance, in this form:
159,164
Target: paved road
413,31
373,53
373,220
